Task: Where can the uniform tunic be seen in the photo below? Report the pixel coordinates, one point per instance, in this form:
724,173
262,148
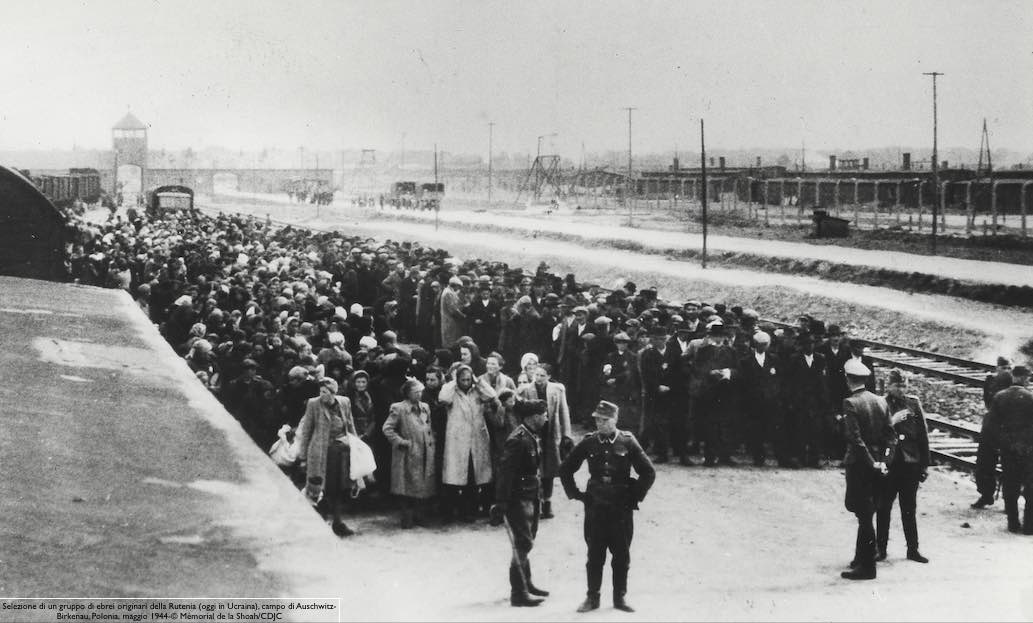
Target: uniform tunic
518,486
610,497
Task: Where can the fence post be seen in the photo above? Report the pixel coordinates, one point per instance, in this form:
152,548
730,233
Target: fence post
993,207
970,215
1023,205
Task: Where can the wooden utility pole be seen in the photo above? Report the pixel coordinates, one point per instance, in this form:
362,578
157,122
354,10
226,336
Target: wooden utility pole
936,162
437,207
491,126
703,166
628,184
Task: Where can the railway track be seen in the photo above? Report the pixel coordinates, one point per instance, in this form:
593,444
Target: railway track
952,443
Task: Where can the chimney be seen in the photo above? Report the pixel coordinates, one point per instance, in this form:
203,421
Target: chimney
675,166
758,162
832,162
721,163
864,164
711,161
943,165
907,161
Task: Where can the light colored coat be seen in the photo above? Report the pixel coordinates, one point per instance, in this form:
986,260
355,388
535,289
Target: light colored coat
313,434
503,381
412,467
452,317
559,423
466,434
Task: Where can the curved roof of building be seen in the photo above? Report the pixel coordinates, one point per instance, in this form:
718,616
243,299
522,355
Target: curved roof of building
129,122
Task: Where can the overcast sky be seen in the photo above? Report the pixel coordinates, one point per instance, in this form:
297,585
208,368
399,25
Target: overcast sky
331,75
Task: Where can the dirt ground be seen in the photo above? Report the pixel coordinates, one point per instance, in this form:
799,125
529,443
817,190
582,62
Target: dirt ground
722,544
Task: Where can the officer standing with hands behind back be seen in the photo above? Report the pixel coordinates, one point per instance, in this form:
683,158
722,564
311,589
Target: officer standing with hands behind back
610,498
871,442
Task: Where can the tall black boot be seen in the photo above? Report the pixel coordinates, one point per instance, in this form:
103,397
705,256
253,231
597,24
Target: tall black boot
1011,509
620,589
547,510
518,595
595,582
531,588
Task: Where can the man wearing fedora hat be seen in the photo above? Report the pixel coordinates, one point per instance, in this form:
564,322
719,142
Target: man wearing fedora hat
654,371
871,442
610,498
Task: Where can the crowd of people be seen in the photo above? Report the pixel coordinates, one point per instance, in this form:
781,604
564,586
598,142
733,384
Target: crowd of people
433,353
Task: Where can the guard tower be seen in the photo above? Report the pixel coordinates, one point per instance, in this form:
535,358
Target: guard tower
129,142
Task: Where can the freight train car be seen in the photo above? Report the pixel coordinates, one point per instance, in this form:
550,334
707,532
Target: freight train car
33,233
64,189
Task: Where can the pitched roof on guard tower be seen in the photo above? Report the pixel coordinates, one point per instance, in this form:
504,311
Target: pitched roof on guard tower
129,122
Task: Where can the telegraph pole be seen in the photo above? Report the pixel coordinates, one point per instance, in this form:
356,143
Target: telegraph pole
491,127
703,166
627,190
437,208
936,161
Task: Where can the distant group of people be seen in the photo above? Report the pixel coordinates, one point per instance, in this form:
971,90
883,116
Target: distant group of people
447,369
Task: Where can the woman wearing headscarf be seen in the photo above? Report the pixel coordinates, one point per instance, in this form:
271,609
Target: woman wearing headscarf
413,457
361,403
528,363
909,467
467,461
323,448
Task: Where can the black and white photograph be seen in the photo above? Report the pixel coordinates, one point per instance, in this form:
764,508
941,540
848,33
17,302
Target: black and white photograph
333,310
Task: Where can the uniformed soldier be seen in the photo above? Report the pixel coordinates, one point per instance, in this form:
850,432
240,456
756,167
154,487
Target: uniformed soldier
518,498
609,498
871,442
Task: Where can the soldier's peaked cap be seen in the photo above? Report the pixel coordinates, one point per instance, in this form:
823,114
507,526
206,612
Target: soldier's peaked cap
606,410
854,367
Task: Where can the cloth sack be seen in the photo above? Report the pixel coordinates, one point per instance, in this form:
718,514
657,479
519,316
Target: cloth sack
283,452
362,462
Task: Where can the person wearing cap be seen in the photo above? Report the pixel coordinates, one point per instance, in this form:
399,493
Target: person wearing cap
807,406
610,497
323,448
760,378
570,355
870,441
987,454
453,320
250,399
557,437
414,453
909,467
680,414
835,353
711,371
299,389
482,319
518,497
619,380
654,372
856,349
1009,426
